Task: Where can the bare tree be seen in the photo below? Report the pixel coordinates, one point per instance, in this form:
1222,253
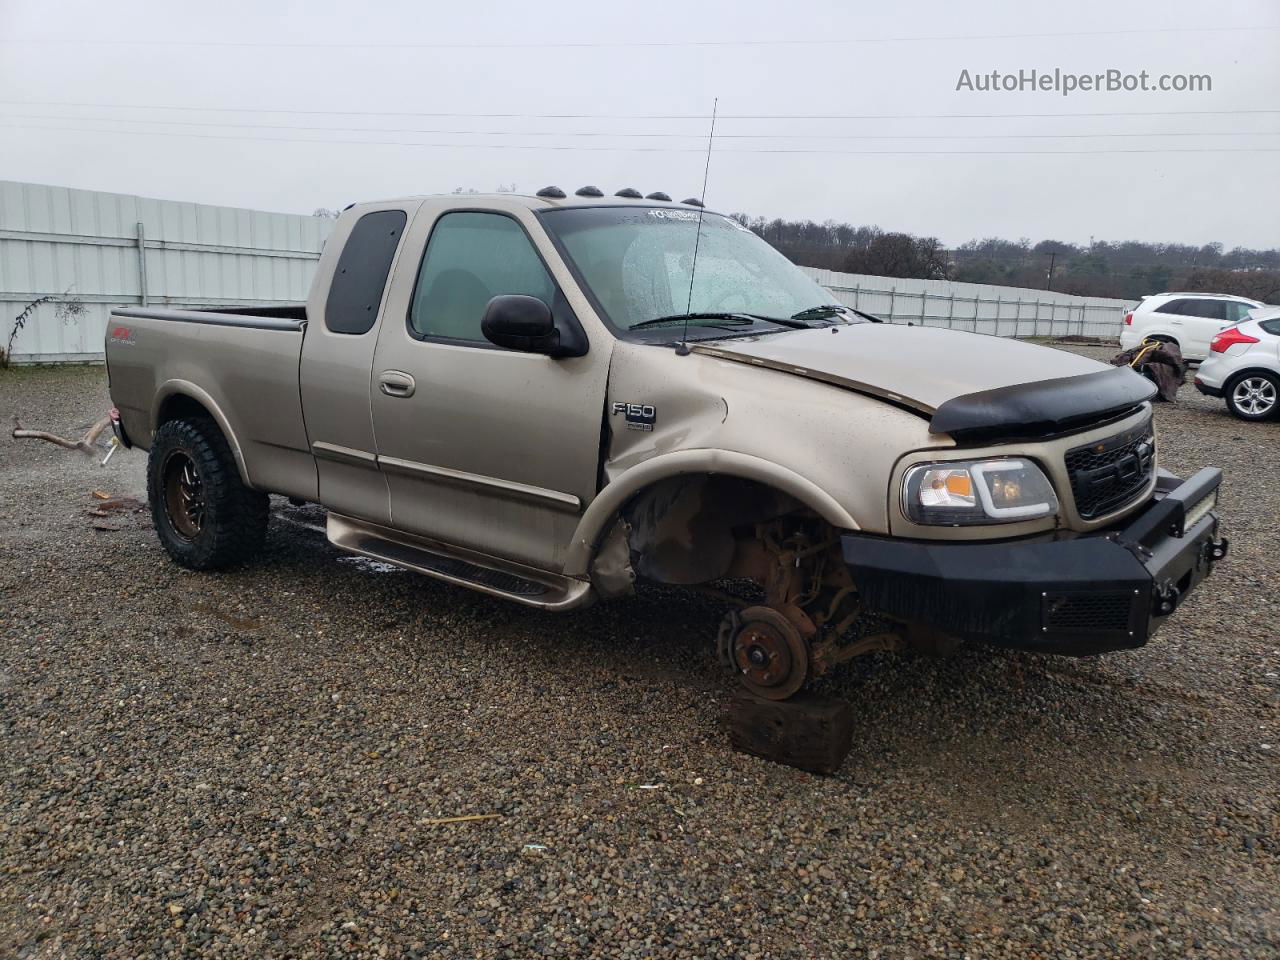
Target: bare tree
68,309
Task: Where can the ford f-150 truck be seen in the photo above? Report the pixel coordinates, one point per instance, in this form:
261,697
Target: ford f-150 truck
546,398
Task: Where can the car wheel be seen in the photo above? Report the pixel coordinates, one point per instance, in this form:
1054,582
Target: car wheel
1254,396
205,516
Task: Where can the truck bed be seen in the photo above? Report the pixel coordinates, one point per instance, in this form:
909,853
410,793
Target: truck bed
239,364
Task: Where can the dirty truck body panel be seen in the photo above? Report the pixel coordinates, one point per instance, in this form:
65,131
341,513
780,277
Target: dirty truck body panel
495,450
243,371
500,392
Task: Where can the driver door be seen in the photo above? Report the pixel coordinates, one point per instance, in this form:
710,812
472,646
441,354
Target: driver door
483,447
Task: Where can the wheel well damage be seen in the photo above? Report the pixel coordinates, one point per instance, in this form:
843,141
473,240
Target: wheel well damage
685,530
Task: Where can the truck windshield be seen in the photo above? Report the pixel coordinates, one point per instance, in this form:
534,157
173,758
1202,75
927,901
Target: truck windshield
637,263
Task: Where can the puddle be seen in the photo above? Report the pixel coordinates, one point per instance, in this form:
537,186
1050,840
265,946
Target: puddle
373,566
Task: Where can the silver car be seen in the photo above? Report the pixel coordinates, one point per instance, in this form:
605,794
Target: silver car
1244,366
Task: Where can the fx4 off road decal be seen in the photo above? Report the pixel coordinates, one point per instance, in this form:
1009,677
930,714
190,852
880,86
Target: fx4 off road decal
639,416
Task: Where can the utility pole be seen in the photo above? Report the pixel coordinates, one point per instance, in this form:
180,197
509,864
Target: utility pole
1048,280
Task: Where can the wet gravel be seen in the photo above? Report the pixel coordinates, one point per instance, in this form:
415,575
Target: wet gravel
249,763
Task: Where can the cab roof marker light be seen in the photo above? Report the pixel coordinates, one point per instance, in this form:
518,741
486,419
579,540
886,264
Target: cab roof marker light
588,191
631,193
658,195
553,193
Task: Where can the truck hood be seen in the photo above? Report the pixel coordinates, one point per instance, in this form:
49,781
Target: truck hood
969,385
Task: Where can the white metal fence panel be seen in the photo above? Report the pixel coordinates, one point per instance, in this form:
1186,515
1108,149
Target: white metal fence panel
981,308
107,249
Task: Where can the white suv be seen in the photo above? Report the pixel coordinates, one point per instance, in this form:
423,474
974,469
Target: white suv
1244,367
1191,320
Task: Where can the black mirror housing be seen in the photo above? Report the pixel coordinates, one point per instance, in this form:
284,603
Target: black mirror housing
523,323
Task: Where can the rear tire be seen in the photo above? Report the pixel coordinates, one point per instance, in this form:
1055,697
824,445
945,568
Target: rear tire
1254,396
205,516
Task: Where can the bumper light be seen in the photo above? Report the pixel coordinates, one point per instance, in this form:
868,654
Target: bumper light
1196,512
977,492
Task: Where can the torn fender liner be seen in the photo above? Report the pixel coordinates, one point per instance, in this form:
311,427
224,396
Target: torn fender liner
1042,408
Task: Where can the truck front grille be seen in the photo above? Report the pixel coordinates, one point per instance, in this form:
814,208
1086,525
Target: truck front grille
1108,475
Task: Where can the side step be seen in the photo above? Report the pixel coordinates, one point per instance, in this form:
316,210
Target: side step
466,568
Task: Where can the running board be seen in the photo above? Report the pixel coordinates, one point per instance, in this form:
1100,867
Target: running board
466,568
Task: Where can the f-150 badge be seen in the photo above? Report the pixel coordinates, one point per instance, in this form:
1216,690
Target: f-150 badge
639,416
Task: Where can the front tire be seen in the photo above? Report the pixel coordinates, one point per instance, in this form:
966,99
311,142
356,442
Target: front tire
205,516
1254,396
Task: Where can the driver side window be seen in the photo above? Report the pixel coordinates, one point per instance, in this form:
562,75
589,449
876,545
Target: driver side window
470,259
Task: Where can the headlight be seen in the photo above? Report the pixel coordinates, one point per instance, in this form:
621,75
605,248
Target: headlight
977,491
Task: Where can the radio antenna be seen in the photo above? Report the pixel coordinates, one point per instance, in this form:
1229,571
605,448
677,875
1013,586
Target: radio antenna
683,349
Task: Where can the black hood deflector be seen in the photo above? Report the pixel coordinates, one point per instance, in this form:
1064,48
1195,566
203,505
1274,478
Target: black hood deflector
1042,408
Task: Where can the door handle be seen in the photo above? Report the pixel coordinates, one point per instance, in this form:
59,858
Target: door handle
396,384
1175,323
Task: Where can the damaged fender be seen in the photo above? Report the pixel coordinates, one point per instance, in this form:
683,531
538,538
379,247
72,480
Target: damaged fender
600,516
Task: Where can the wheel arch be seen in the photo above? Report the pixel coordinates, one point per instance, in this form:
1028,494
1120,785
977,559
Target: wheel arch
603,512
1229,384
181,399
1237,375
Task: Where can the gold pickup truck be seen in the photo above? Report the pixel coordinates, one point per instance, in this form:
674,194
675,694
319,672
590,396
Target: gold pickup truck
547,398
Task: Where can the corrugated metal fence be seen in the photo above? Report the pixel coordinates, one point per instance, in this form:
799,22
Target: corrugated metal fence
1003,311
106,249
98,250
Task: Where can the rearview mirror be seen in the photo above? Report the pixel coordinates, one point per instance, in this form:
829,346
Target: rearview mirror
525,323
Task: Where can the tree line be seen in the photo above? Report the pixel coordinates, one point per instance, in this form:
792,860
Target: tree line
1125,269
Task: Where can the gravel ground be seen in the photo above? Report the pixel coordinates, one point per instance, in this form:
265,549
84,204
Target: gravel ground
249,763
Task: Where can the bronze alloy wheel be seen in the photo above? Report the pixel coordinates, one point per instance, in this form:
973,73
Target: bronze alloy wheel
183,495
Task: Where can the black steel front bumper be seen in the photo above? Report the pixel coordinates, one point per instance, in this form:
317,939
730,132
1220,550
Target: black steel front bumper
1076,595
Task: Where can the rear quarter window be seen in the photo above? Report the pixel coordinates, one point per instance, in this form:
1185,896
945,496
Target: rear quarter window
1271,326
361,274
1236,311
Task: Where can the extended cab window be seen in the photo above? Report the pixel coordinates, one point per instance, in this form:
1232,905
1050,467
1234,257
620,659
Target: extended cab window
361,275
470,259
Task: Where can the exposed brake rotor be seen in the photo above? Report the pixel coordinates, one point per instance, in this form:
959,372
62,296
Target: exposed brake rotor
766,651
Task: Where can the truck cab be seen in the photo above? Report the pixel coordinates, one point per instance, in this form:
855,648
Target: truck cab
547,398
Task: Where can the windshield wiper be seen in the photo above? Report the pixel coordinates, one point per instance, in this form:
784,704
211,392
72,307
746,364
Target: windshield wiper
822,312
736,319
833,310
682,317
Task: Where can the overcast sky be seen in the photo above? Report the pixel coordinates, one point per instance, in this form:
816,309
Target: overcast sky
200,103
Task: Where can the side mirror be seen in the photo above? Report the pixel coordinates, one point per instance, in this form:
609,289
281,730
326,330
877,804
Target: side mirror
525,323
